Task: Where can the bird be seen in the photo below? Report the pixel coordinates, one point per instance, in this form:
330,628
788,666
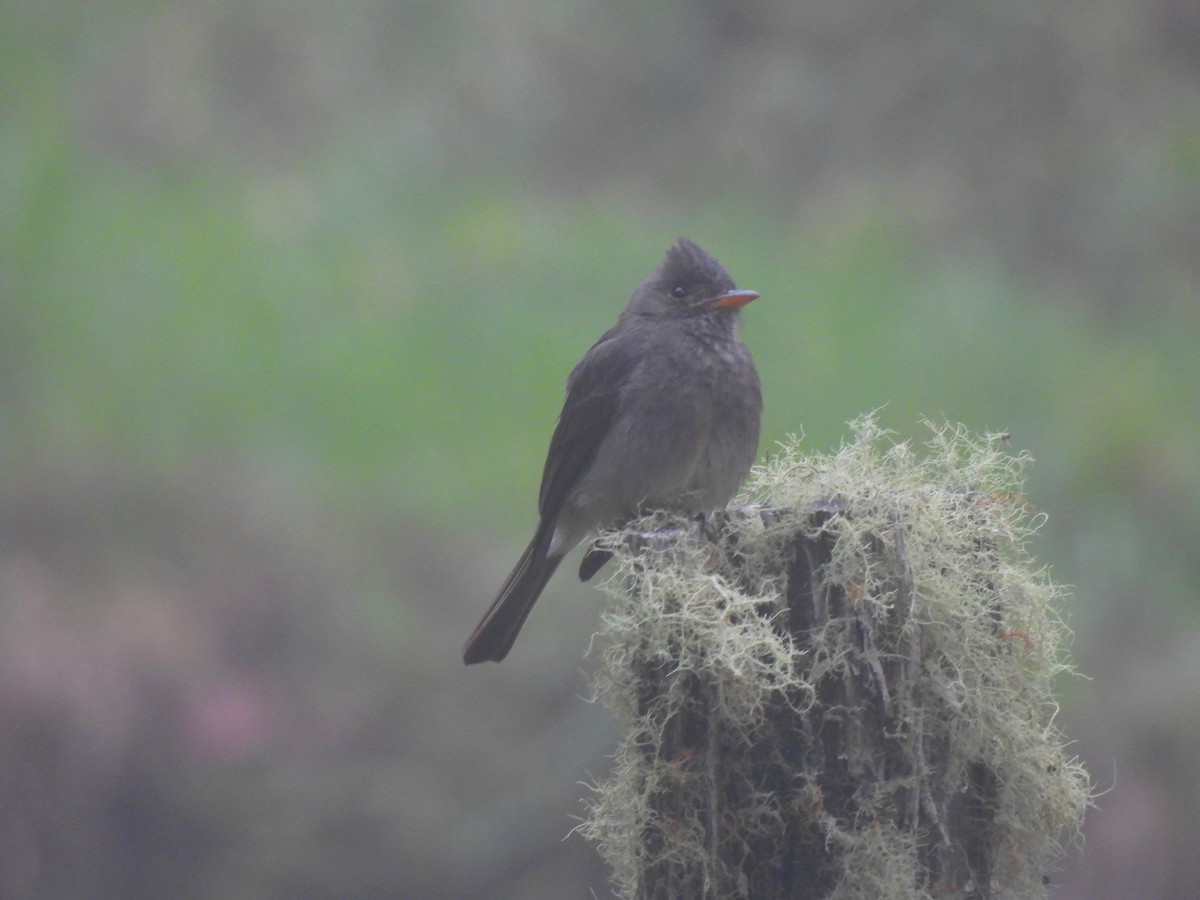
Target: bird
662,413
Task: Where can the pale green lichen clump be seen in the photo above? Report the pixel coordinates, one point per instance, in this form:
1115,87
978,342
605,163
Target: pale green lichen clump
944,616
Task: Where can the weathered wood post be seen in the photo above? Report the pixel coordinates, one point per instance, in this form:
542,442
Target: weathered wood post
845,694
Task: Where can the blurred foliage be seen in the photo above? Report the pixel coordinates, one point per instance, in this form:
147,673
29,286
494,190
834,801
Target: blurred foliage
287,296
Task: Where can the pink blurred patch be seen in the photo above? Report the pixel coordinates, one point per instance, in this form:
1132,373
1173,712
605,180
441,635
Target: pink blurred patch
230,722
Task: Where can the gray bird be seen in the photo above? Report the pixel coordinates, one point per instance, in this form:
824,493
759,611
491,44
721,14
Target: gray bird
662,413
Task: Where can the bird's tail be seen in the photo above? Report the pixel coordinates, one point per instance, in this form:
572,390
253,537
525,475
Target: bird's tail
493,637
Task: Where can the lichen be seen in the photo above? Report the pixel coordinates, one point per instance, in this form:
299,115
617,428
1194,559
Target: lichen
941,612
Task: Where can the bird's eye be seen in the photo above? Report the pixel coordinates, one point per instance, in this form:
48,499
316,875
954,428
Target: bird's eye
679,291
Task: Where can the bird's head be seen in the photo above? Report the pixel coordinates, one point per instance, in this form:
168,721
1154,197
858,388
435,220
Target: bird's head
688,282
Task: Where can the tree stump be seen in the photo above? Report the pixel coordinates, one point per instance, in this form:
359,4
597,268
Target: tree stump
847,698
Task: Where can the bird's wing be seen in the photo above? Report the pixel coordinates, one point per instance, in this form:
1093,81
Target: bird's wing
593,399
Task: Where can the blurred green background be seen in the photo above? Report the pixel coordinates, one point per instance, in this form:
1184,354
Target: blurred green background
288,292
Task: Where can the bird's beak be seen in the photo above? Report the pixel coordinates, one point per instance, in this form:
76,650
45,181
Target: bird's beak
731,300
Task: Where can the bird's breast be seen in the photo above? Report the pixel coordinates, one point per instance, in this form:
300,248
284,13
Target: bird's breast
684,437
